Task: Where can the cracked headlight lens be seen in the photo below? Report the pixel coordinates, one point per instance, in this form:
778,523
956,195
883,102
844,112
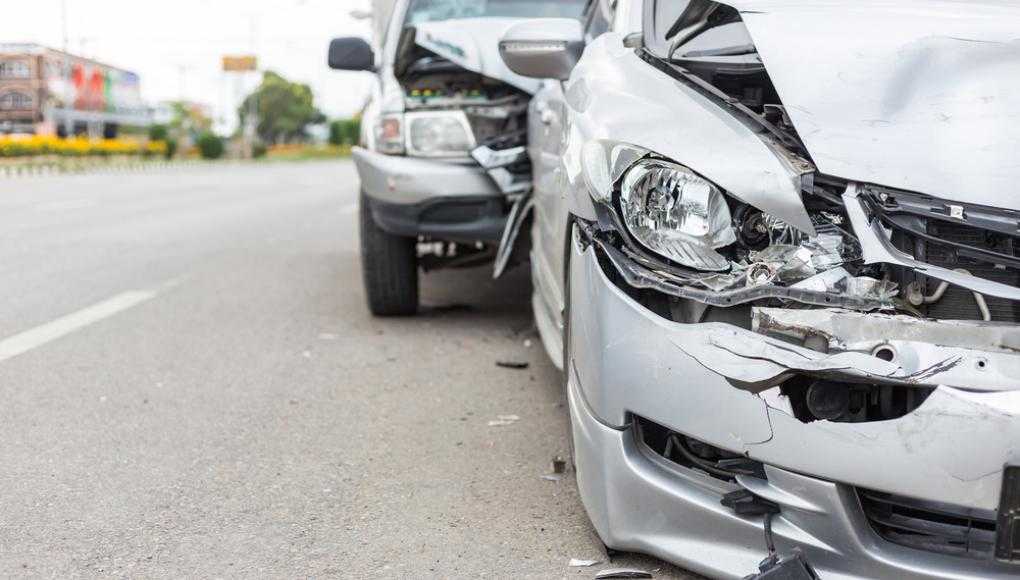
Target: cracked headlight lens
439,134
677,214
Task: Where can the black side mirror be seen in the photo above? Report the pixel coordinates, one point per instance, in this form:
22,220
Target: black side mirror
351,53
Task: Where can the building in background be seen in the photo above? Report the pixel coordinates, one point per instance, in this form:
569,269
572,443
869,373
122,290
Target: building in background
46,91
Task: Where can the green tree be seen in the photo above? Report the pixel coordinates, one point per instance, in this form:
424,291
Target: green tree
158,132
210,145
344,131
283,109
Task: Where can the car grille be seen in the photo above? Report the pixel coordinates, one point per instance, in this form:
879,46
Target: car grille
981,240
930,526
958,303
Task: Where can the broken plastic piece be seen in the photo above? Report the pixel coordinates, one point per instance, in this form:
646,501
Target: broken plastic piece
577,563
863,287
504,420
622,573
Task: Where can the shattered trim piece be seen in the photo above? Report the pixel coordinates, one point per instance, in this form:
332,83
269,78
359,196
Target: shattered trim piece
490,158
640,276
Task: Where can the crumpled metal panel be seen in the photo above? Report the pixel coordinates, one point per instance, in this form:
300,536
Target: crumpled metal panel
919,95
471,43
629,360
626,362
968,355
614,95
951,449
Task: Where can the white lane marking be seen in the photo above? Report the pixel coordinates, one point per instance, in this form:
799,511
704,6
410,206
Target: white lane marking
40,335
67,205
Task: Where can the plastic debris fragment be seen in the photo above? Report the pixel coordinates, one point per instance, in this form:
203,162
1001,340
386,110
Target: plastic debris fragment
578,563
622,573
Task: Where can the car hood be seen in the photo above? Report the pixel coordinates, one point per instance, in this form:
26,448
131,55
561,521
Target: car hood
472,44
918,95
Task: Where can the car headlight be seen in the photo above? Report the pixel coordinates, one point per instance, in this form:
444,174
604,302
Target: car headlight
389,134
677,214
438,134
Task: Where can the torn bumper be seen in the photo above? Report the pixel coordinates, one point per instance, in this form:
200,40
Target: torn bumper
639,502
397,179
455,201
693,379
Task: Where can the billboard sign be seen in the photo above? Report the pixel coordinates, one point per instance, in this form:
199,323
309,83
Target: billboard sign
240,63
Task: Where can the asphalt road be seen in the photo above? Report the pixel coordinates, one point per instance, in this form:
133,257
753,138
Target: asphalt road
190,385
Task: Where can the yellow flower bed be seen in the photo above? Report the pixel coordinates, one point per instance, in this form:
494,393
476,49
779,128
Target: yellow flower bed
32,145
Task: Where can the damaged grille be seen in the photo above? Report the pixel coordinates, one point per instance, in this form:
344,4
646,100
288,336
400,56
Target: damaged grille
982,241
930,526
958,303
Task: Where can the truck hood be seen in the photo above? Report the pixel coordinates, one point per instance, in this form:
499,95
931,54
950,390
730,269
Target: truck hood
917,95
472,44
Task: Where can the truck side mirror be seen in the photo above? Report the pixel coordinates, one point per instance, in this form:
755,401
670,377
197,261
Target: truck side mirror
545,48
351,53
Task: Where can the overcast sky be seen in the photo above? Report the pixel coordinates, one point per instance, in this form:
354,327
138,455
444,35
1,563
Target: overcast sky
176,45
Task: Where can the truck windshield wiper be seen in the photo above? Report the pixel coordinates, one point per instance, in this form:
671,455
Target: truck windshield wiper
740,50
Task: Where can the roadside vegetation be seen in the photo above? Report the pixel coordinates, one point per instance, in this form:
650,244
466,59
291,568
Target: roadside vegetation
287,126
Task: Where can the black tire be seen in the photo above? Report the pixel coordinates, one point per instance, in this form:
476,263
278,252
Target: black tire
389,268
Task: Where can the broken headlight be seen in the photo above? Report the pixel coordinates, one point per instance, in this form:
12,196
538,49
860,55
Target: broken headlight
677,214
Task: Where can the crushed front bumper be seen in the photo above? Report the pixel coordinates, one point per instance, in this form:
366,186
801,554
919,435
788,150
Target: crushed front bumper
449,200
628,361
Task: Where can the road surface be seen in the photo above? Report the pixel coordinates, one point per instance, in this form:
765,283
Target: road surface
191,386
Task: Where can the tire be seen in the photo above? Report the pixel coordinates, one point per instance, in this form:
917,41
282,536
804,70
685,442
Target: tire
389,268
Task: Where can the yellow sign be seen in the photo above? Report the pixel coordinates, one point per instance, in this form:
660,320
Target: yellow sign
239,63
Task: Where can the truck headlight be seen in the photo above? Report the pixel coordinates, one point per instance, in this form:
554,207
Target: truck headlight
438,134
677,214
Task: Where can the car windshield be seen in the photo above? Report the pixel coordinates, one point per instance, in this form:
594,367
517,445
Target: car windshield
432,10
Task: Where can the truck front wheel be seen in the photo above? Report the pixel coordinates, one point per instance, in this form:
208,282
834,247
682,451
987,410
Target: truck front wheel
389,268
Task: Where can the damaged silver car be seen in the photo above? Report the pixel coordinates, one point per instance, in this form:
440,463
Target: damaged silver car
442,158
776,251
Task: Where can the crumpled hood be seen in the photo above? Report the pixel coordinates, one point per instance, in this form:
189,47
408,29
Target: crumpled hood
473,43
918,95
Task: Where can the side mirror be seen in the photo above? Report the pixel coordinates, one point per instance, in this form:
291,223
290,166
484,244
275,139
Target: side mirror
545,48
351,53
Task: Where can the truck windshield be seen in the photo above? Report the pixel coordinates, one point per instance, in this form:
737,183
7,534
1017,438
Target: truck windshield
431,10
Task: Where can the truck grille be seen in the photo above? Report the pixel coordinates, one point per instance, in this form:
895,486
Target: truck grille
930,526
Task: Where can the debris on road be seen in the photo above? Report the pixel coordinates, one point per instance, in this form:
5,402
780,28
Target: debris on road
578,563
507,364
504,420
622,573
559,465
552,477
328,336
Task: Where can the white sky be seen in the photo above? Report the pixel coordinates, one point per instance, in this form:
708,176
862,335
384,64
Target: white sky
176,45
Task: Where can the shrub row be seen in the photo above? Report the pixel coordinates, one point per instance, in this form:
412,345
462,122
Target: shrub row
31,145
